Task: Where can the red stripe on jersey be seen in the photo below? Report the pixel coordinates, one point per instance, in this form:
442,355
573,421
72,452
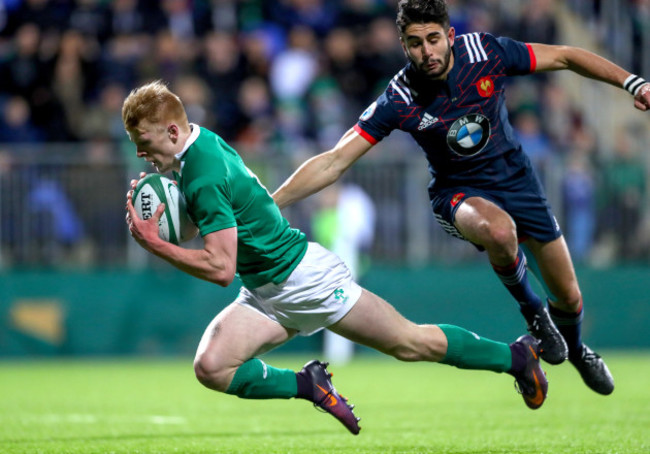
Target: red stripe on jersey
365,135
533,59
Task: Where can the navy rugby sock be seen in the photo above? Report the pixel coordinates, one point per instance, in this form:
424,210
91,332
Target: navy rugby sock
570,326
515,278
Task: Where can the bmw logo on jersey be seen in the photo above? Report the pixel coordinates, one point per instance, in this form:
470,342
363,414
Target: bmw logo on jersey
469,134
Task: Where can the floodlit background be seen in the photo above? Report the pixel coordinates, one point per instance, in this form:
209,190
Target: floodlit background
281,81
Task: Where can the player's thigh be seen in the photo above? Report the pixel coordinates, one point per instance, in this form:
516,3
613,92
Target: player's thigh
377,324
237,334
556,267
481,221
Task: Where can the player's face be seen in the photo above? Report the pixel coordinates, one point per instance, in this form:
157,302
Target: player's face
428,46
155,144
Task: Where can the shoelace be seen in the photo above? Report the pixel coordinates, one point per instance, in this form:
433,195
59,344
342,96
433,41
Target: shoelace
317,404
590,356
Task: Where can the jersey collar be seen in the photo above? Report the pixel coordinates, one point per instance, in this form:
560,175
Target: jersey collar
196,130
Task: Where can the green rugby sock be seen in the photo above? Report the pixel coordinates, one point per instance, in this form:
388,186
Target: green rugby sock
467,350
256,380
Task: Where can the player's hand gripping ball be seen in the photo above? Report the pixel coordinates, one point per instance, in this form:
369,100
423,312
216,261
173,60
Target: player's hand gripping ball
175,224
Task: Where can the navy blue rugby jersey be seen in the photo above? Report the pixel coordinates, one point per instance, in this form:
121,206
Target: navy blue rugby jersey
461,123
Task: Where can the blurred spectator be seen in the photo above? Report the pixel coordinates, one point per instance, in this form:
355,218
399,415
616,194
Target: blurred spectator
579,200
537,23
171,58
291,74
122,57
293,69
623,192
56,226
528,130
196,97
256,123
75,69
186,20
329,112
259,47
222,67
103,120
343,64
381,53
23,73
16,125
125,18
90,18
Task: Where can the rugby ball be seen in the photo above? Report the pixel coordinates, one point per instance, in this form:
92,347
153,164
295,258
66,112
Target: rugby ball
175,224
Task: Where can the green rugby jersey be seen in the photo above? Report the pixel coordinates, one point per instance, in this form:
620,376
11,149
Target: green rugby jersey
222,192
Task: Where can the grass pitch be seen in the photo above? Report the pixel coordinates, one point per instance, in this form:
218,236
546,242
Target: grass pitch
156,406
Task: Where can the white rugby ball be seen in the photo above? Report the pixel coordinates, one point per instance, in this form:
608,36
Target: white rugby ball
175,224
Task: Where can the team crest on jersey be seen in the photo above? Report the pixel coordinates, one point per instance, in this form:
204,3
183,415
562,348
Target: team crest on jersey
485,86
368,112
469,134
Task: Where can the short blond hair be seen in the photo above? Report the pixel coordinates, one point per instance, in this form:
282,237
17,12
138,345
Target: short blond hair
155,103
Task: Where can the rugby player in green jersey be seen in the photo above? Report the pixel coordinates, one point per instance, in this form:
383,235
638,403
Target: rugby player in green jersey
290,286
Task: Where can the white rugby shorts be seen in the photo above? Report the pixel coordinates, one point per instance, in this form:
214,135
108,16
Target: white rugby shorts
317,294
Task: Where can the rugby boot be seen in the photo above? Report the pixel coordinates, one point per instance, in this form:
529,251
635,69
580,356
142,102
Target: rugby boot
531,383
593,370
326,397
553,348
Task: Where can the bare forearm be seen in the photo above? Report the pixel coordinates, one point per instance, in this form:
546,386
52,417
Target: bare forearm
593,66
580,61
312,176
322,170
199,263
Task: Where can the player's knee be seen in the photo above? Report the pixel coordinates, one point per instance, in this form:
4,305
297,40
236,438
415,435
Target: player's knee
570,300
211,374
499,237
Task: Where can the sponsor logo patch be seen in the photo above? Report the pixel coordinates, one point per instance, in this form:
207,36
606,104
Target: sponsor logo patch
469,134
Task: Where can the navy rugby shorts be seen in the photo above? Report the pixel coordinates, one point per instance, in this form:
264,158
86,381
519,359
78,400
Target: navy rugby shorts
523,199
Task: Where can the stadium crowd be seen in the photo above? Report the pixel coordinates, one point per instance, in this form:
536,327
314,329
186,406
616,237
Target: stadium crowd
287,77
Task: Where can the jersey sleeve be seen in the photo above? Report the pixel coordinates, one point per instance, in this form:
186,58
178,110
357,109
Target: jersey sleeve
517,57
377,121
210,204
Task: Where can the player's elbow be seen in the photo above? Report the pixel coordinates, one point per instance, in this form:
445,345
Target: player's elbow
223,277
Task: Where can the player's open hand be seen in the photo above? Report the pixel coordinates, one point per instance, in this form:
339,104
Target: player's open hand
642,99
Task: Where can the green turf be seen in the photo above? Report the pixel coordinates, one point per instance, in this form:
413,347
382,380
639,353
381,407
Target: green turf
156,406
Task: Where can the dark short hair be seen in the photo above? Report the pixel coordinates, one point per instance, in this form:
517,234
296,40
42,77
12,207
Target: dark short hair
421,12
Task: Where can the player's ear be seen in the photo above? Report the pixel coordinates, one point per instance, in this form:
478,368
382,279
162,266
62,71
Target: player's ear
401,41
451,35
173,131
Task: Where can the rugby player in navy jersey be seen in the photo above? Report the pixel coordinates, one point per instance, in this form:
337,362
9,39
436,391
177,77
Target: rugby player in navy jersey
450,98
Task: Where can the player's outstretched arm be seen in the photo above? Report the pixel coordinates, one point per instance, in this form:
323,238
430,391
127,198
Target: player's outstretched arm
322,170
588,64
216,262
